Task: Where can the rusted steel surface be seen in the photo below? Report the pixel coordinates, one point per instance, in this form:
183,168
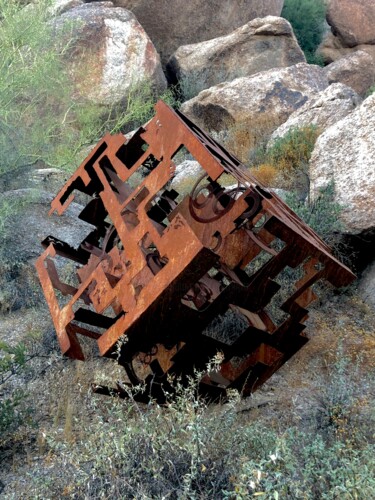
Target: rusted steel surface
164,281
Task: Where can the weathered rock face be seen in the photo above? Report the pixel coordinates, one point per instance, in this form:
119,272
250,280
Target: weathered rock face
352,21
111,53
366,287
193,21
357,70
255,106
27,225
33,215
323,110
345,154
37,176
186,174
61,6
259,45
332,49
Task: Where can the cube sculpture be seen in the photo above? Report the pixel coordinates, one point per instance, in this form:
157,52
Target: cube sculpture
159,272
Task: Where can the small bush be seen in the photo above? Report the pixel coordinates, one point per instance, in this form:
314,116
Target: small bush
13,411
289,156
292,152
345,408
246,139
266,174
321,214
307,18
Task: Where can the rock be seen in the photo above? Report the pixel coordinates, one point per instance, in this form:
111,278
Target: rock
60,6
332,49
366,287
195,21
352,22
254,106
257,46
30,211
357,70
25,225
185,176
111,53
345,154
322,110
37,176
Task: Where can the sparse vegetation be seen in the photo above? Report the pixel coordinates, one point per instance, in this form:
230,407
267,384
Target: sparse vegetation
15,410
290,155
321,213
190,450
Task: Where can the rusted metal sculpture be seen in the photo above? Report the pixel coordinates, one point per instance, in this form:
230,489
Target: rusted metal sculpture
160,274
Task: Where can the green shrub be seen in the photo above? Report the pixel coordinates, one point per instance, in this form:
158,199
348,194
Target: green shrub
307,18
306,468
370,91
33,87
293,151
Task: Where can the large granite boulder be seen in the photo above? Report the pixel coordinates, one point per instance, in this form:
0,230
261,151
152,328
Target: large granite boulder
345,154
171,24
254,106
111,53
261,44
357,70
352,21
322,110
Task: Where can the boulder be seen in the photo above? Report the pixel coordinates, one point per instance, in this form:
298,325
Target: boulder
60,6
111,53
186,174
259,45
345,154
193,20
254,106
24,225
352,21
36,176
366,286
357,70
322,110
332,49
30,210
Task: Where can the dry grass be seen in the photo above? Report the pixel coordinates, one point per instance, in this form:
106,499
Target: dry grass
266,174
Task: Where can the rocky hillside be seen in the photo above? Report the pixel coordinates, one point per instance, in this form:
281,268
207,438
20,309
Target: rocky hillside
71,70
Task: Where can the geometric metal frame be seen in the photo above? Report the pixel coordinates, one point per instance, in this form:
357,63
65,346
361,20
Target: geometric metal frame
158,268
